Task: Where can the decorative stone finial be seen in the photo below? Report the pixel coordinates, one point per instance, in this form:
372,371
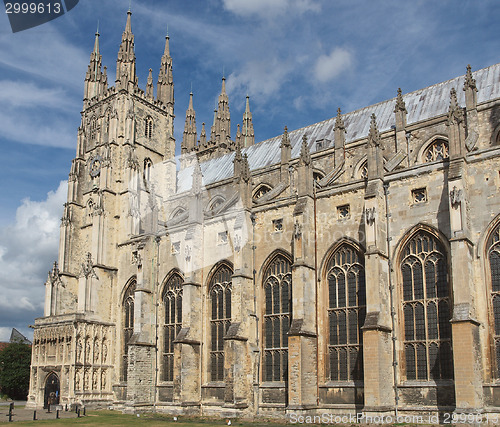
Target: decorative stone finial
339,122
373,134
305,155
285,140
455,113
470,82
400,103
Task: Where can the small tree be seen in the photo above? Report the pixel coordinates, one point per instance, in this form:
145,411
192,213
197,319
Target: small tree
15,362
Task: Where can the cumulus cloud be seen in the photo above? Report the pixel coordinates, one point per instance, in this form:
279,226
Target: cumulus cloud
330,66
28,247
269,9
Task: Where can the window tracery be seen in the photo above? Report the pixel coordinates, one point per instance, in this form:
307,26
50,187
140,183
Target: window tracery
148,127
426,309
346,313
494,264
436,151
277,289
263,189
172,303
220,319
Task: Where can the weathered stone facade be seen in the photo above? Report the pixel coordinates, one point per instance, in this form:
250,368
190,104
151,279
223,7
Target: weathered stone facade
349,266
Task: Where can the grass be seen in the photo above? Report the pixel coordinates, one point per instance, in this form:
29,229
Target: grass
115,418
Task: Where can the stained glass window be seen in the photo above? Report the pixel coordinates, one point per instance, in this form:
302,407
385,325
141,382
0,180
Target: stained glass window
128,324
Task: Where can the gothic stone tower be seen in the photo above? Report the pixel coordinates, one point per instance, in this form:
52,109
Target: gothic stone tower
124,133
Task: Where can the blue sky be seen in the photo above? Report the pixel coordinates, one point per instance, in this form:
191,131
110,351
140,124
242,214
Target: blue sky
298,60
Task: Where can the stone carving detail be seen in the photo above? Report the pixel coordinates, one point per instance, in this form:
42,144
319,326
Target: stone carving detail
79,349
87,350
95,383
456,197
188,253
136,258
455,113
103,379
370,215
96,351
77,380
88,268
86,379
297,231
104,351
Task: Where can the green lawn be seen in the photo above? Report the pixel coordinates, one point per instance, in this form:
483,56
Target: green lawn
115,418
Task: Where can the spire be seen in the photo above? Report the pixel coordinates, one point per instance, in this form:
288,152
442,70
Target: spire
213,136
339,132
400,111
165,88
93,79
125,64
375,161
455,113
189,136
286,148
149,86
203,136
305,155
470,90
248,135
223,118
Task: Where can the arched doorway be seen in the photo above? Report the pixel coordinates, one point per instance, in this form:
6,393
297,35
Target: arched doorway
52,390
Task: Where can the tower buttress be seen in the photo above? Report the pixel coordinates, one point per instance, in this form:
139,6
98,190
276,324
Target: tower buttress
126,77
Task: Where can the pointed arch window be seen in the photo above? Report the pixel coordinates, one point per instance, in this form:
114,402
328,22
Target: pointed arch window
148,127
148,164
436,151
172,303
346,313
494,264
93,129
277,316
426,309
220,318
261,190
128,324
363,171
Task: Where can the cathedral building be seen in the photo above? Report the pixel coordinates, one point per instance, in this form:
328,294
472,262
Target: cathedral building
351,266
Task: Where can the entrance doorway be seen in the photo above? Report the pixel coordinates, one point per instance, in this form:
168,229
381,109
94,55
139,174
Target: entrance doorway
52,390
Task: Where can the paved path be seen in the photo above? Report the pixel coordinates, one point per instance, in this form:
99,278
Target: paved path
21,414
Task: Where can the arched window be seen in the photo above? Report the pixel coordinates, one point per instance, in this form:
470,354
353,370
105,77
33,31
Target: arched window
261,190
277,290
148,127
363,171
148,164
436,151
426,309
346,313
494,261
220,301
128,324
172,303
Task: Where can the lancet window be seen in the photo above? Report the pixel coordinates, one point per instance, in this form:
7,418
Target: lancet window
148,127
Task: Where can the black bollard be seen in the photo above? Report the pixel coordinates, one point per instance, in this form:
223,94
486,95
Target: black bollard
34,415
48,409
76,409
10,417
78,413
66,408
84,411
11,408
57,414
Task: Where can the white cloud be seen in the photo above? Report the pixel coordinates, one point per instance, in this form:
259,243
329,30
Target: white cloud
330,66
29,95
27,250
269,9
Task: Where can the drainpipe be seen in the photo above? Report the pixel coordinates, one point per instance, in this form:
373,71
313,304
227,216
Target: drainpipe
316,284
393,310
